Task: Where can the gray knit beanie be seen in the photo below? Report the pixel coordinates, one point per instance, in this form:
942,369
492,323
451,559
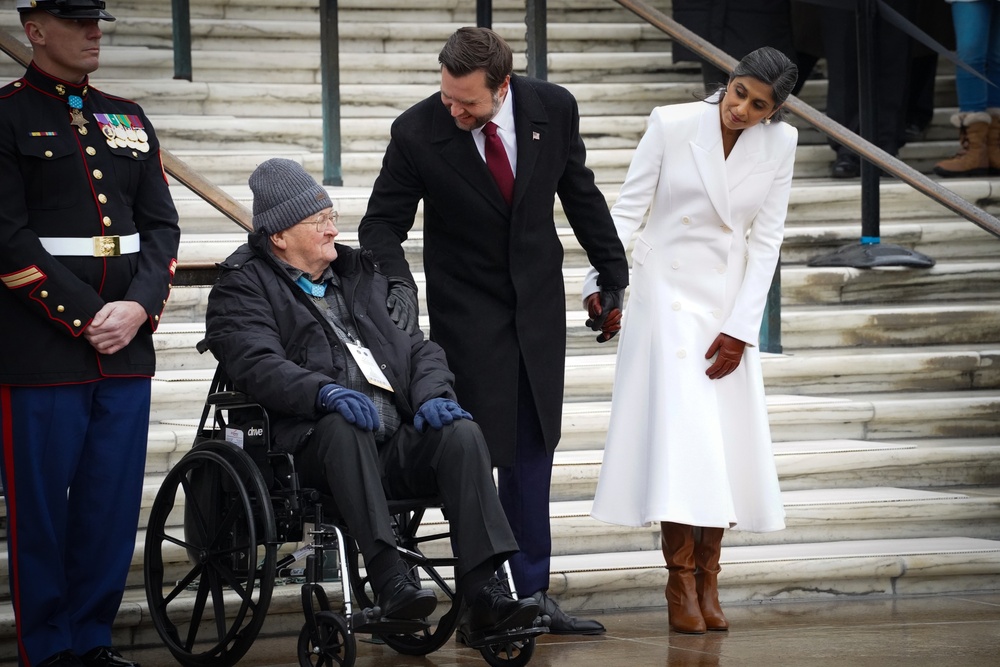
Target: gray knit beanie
284,195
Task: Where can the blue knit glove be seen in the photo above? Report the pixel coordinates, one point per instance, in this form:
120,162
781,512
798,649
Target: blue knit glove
356,408
438,412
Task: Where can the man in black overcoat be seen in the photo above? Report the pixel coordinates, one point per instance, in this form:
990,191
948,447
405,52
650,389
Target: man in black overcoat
493,265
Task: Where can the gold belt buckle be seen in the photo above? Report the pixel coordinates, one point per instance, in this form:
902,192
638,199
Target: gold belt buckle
107,246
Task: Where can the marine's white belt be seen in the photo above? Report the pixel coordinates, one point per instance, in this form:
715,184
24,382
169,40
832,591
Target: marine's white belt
94,246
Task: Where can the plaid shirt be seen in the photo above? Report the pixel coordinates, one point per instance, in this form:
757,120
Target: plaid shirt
334,308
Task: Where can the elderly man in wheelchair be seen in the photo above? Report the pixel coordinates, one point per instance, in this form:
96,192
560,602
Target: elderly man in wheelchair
300,323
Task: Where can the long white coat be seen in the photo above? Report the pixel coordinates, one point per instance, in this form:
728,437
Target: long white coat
682,447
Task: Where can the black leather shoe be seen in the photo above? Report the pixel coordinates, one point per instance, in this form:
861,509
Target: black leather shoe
845,166
106,656
61,659
560,623
405,600
494,610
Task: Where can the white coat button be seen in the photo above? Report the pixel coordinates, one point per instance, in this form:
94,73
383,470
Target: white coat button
686,220
676,264
676,305
726,229
681,354
716,313
721,268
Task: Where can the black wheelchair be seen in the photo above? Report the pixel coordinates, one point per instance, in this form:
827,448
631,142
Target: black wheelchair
222,528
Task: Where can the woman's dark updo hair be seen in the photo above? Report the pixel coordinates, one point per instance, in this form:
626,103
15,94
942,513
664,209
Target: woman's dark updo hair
770,66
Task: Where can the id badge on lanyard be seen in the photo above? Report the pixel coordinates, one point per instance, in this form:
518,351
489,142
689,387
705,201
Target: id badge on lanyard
369,367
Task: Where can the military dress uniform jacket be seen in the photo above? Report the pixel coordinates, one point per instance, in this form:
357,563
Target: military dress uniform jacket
86,219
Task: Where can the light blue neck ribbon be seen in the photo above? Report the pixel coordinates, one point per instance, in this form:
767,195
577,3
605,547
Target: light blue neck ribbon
311,288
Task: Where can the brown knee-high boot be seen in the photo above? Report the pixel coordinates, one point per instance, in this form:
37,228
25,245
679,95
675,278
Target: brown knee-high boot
683,612
707,550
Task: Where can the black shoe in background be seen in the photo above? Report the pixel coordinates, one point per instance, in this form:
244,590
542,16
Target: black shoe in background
845,166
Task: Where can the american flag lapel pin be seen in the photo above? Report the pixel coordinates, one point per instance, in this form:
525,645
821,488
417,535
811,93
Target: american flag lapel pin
535,136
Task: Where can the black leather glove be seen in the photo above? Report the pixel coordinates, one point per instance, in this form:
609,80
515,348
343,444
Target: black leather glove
605,310
402,304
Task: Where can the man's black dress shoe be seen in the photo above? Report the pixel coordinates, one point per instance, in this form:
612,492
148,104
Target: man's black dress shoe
494,612
61,659
560,623
106,656
403,599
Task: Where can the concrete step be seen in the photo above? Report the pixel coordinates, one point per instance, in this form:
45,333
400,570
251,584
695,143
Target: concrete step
835,370
823,464
854,416
388,10
302,67
812,516
807,328
964,412
394,36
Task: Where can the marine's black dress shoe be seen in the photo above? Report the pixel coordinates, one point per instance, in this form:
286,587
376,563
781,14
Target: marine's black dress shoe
106,656
560,623
404,600
61,659
494,612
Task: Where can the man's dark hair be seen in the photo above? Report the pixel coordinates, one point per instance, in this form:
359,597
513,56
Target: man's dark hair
472,49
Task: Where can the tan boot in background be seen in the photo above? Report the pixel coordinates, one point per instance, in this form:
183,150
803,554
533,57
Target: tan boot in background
707,550
683,611
993,140
973,159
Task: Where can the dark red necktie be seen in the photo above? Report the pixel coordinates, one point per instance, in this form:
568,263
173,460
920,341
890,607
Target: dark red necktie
497,162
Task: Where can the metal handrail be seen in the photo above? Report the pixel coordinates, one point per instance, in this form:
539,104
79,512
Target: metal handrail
219,199
831,128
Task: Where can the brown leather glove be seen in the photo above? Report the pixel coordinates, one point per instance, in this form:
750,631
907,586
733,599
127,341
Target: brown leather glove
605,310
730,352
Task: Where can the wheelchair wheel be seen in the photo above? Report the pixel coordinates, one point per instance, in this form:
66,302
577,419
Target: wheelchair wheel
210,556
424,641
328,644
510,653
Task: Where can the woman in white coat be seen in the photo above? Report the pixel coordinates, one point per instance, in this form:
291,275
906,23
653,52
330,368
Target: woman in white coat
689,443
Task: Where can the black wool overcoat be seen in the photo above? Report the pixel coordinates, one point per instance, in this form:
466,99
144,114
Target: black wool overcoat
494,272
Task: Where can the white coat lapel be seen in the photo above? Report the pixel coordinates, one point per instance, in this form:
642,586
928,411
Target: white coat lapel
710,160
745,156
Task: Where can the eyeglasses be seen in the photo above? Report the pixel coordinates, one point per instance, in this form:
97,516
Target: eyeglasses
323,221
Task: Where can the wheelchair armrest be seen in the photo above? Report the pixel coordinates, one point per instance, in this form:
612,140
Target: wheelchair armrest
223,398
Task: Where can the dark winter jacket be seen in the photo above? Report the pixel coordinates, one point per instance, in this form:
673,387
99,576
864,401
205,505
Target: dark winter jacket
278,348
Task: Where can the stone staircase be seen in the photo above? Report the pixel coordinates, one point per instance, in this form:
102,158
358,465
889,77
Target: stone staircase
884,405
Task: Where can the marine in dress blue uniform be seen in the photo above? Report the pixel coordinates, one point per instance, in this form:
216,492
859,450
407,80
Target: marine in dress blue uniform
88,236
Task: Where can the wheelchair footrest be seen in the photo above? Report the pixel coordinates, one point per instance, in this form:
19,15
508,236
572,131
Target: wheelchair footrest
478,640
365,624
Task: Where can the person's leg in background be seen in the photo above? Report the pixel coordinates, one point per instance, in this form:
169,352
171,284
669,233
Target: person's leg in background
524,494
972,35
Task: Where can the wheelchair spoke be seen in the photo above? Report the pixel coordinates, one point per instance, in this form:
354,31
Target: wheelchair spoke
182,585
220,611
196,613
